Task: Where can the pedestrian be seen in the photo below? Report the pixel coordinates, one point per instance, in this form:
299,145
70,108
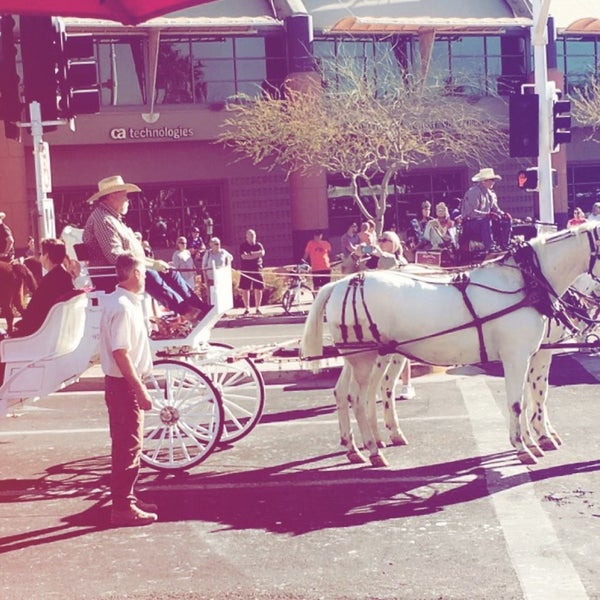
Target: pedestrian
148,252
214,258
595,214
126,359
251,278
197,247
318,252
183,262
349,240
7,241
30,252
578,218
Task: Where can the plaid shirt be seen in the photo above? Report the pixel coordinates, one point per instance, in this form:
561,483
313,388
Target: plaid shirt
107,236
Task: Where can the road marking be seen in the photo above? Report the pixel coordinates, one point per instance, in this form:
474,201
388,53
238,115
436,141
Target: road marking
590,363
543,568
294,423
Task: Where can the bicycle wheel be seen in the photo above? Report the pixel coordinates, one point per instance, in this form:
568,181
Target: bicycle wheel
186,423
241,387
297,300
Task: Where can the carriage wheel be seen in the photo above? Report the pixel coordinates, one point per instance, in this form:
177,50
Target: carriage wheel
297,300
186,423
241,387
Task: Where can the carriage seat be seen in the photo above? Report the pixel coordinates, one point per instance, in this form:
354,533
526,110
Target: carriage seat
59,334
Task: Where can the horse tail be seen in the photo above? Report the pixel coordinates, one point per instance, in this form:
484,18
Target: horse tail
312,338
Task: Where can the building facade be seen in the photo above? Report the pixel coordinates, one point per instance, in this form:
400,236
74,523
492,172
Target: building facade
165,86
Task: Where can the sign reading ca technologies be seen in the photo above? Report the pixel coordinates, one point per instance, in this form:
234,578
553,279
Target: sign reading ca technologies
149,133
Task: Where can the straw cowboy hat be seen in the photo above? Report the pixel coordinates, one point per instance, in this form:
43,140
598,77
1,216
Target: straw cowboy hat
485,174
112,184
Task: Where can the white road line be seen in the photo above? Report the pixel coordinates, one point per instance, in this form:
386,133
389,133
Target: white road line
543,568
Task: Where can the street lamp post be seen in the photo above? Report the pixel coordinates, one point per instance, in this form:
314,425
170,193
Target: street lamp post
545,91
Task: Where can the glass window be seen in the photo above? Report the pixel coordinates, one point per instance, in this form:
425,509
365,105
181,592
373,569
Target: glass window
579,59
211,70
121,68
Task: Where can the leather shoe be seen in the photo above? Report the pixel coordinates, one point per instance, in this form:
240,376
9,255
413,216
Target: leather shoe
131,517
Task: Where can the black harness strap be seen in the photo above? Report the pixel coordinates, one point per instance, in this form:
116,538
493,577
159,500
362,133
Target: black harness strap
372,326
343,326
356,282
462,284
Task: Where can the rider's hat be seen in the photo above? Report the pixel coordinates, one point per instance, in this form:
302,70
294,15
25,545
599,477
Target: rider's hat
485,174
112,184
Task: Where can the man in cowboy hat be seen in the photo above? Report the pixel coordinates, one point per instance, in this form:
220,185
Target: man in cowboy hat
479,207
107,237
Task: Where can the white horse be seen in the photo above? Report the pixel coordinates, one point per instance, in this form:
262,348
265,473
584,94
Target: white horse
387,368
488,313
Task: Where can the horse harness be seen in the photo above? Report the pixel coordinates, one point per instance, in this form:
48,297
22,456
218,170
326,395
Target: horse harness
538,293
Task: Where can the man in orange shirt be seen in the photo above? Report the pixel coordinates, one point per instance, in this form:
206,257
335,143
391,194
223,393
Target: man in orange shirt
317,251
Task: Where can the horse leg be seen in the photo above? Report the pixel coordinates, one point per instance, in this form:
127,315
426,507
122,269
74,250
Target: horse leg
516,366
378,375
341,393
537,379
388,385
362,365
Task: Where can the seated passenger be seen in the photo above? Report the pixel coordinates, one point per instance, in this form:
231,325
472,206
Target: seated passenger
440,232
107,237
55,286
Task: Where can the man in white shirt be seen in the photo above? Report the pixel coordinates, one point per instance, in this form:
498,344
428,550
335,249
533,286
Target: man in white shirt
126,359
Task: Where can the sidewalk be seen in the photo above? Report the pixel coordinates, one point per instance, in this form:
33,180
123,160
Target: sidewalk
272,314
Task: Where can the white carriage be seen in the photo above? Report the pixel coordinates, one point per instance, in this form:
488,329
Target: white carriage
202,395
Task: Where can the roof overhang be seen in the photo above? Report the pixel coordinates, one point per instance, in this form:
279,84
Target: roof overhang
416,25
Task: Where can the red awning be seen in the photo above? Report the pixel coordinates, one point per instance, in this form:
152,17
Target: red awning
128,12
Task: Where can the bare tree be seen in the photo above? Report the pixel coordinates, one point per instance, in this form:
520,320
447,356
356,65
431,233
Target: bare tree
365,126
586,105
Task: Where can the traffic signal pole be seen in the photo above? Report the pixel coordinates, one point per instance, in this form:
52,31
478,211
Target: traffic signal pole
545,91
43,174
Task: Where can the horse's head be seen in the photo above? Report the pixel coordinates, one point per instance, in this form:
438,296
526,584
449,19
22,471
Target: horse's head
566,254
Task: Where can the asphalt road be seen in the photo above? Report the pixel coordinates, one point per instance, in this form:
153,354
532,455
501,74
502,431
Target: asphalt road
281,515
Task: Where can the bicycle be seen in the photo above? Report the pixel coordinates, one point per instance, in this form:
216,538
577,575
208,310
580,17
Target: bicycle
298,296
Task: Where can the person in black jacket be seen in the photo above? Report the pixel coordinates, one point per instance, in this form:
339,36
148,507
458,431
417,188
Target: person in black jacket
55,286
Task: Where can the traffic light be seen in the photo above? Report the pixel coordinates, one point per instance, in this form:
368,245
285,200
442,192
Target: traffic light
40,52
10,98
78,77
561,120
523,117
527,179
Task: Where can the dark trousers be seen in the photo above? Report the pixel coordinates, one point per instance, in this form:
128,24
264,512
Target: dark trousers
478,230
126,423
320,278
172,291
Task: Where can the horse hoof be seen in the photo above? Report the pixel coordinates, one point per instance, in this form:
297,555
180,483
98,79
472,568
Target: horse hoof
398,440
526,457
378,460
356,458
381,444
557,439
536,450
547,444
